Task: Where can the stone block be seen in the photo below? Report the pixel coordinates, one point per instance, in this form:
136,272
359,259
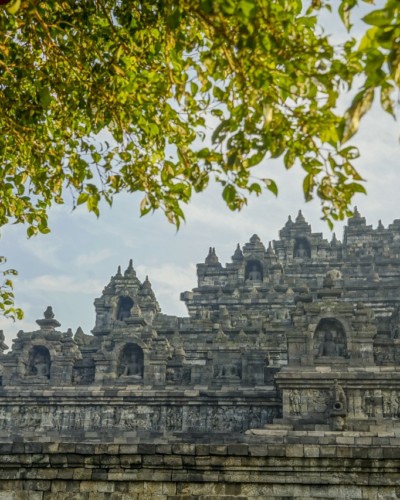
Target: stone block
84,449
105,487
311,451
82,474
258,450
375,452
164,449
130,460
344,452
238,449
152,460
128,448
360,452
65,474
184,449
327,451
188,460
146,449
294,450
218,449
391,453
202,449
275,450
173,461
168,489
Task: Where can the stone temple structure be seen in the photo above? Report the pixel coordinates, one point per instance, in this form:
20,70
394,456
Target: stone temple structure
288,359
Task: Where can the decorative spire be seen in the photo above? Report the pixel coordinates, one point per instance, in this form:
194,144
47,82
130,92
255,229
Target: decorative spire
49,322
300,217
130,272
238,255
356,213
270,250
119,274
48,314
255,239
380,226
212,258
289,222
146,286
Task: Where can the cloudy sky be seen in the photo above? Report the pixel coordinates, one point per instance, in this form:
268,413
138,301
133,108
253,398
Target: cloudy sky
69,267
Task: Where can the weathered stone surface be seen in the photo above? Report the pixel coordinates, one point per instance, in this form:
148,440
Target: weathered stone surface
288,361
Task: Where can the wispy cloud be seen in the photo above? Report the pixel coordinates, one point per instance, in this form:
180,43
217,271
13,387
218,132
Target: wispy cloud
168,281
63,284
93,258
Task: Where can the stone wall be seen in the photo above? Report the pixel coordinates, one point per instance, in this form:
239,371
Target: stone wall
282,465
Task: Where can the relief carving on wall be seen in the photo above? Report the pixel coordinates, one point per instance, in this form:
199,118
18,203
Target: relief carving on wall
17,419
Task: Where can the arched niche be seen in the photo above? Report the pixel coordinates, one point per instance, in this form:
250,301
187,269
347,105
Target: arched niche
39,362
131,361
302,248
125,305
330,339
253,271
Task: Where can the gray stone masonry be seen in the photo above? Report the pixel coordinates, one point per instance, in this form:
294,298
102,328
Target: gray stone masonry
282,382
274,335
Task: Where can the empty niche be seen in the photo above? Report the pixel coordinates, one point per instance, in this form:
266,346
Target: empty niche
131,361
302,248
39,362
254,271
125,305
330,339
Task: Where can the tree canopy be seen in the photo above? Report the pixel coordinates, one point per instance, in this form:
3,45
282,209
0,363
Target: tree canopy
99,97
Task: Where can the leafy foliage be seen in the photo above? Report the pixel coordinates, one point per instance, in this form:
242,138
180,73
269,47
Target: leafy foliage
7,307
104,96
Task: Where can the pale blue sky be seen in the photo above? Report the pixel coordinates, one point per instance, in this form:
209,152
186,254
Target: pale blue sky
69,267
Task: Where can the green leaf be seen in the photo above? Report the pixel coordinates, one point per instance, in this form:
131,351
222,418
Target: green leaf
271,186
378,18
360,105
82,198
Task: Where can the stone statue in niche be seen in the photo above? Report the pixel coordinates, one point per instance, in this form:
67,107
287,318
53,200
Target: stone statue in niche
295,402
254,274
39,362
330,339
125,305
328,346
254,271
227,371
131,362
301,251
